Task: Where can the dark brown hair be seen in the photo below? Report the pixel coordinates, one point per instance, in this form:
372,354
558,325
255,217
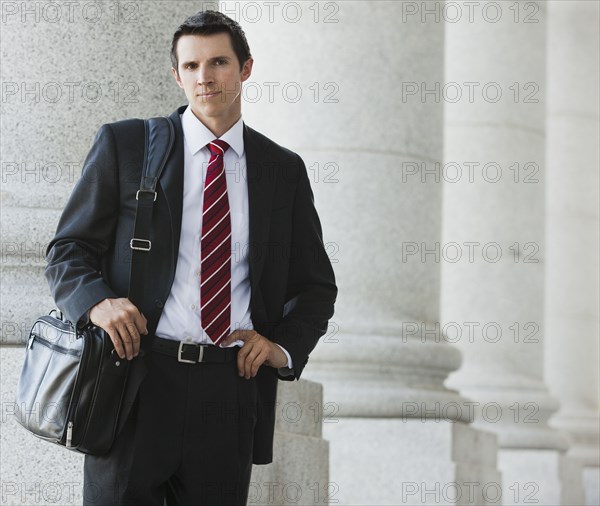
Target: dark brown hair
208,23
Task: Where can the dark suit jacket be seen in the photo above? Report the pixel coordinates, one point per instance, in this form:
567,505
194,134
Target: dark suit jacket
292,283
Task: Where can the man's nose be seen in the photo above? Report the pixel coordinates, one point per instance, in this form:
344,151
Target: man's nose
204,75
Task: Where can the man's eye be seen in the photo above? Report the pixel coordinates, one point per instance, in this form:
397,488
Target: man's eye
221,62
190,66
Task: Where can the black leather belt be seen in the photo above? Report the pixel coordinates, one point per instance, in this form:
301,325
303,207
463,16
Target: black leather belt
191,353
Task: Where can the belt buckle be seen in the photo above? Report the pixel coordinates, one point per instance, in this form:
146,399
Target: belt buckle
185,360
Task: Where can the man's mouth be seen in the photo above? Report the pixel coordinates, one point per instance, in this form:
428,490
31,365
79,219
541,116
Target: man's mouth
209,94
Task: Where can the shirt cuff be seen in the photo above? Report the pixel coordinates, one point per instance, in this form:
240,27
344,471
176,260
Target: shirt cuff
287,370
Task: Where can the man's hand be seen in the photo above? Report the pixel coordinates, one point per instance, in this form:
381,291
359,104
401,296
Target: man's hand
123,322
256,351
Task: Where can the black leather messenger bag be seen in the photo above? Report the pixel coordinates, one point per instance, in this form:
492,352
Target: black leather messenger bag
72,386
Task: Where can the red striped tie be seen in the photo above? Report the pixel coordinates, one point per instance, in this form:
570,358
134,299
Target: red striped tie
215,248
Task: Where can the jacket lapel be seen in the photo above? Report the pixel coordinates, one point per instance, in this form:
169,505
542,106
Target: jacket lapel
260,177
171,183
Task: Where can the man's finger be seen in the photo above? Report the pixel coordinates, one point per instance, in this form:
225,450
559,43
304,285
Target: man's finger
140,322
254,359
241,358
116,340
127,339
135,336
250,358
258,362
246,356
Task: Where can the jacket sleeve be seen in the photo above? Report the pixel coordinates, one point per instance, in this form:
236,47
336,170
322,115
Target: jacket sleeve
85,232
311,288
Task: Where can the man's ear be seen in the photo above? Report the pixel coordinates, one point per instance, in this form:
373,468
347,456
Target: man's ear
177,78
247,69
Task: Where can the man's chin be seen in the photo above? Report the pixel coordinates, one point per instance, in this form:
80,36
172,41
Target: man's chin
201,111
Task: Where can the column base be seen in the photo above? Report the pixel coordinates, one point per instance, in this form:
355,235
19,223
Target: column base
591,484
540,477
388,377
298,474
395,461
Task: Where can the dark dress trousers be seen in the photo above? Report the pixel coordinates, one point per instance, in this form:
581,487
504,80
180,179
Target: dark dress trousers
292,283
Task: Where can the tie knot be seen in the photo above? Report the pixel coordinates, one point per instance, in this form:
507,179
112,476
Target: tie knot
218,147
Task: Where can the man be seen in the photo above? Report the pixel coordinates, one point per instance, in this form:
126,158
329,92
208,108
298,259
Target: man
237,277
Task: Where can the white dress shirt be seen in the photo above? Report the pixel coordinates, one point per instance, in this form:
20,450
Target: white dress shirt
180,319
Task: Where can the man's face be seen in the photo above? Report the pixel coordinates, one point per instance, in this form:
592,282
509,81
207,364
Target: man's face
209,73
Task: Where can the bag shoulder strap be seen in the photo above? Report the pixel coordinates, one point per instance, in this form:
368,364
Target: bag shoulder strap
159,141
160,137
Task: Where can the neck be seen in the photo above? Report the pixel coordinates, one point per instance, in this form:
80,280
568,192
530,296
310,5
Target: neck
216,125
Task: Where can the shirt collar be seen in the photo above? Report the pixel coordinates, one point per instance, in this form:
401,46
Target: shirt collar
197,135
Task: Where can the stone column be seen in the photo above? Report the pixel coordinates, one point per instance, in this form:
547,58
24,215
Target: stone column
67,68
346,80
572,224
493,295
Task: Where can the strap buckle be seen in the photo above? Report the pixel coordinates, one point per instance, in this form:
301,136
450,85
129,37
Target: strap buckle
185,360
140,244
137,194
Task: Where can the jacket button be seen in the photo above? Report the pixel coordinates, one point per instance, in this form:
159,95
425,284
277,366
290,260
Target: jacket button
159,303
